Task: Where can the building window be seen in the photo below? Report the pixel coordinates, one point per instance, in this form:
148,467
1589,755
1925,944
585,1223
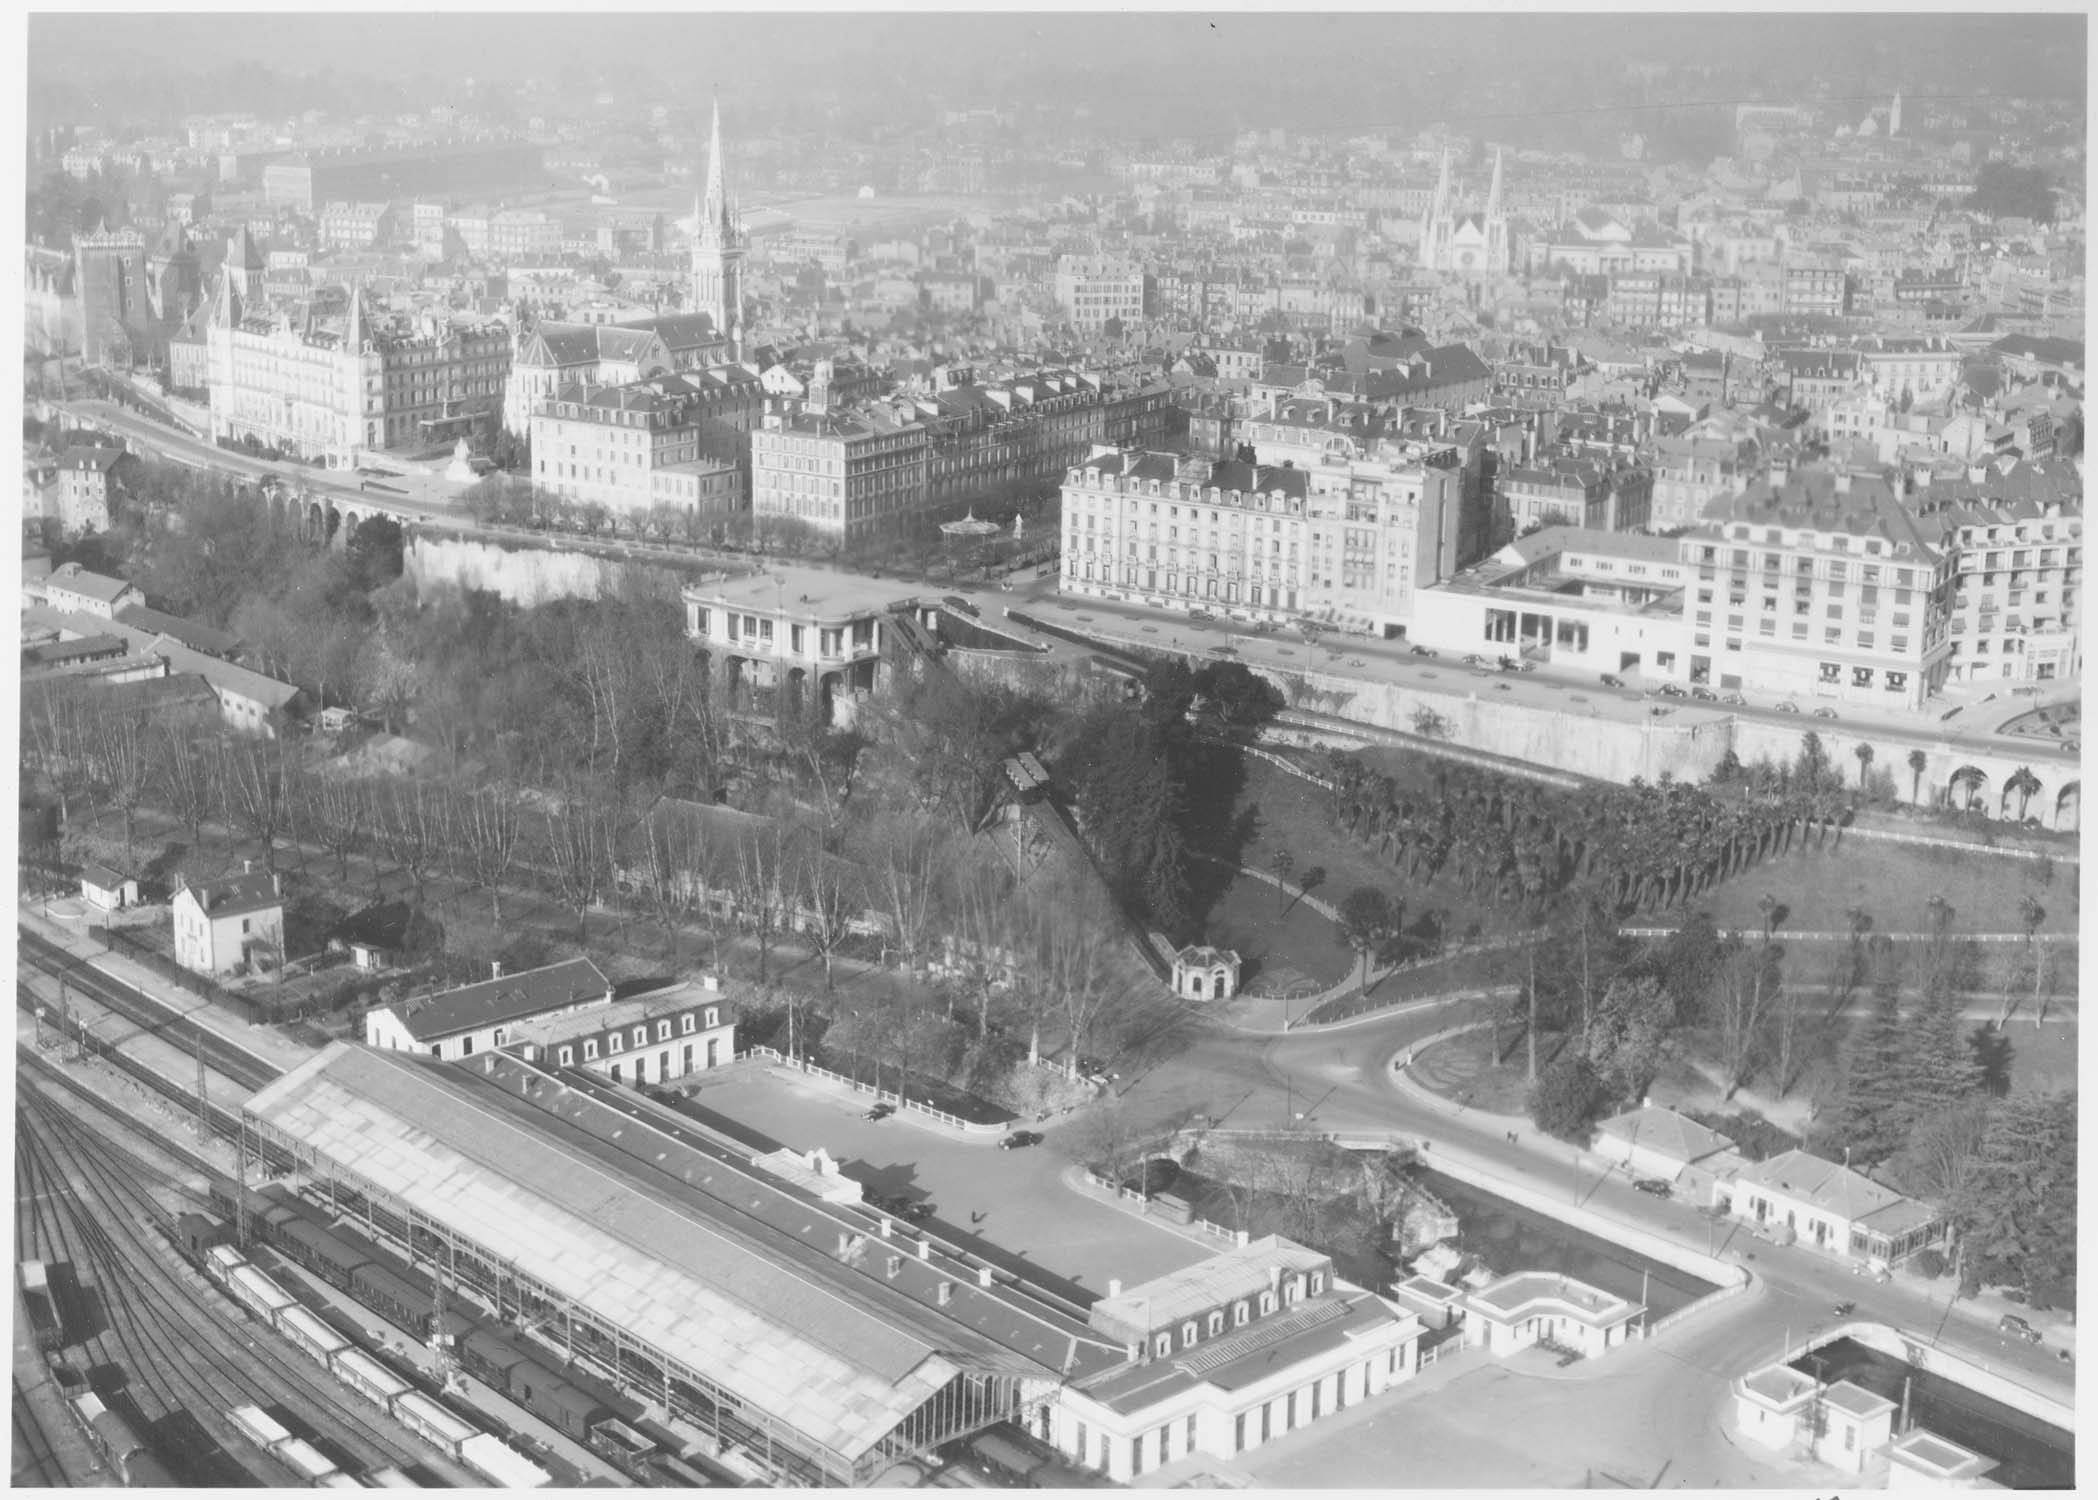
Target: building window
589,1051
1240,1315
1267,1303
1216,1324
1163,1345
567,1057
687,1023
615,1042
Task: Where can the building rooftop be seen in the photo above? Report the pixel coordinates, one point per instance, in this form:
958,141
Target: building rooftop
1825,1185
236,895
1855,1400
1665,1131
1779,1385
1515,1295
75,579
1921,1449
805,1310
546,1030
1212,1283
813,594
566,985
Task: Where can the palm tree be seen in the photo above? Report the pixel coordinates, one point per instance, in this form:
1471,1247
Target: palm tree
2024,783
1917,761
1864,755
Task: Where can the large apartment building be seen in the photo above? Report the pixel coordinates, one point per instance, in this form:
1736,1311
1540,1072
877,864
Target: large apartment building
1591,491
670,439
2017,590
1820,584
855,475
1091,289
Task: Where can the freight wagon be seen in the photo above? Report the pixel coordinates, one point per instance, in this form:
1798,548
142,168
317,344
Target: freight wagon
424,1417
43,1312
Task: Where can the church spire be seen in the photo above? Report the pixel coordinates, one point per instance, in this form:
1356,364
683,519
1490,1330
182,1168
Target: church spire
717,246
714,206
1493,197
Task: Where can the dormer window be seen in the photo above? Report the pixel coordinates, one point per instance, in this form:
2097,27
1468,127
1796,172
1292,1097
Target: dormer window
1163,1345
713,1016
1267,1303
687,1023
1318,1282
1187,1335
1241,1314
615,1042
1216,1323
590,1051
640,1036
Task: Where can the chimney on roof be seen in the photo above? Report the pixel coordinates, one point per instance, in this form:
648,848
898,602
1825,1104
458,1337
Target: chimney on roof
1274,1278
945,1294
1843,482
1114,1286
983,1275
925,1249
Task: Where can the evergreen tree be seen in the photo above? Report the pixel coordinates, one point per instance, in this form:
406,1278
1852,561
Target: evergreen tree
1875,1105
2016,1210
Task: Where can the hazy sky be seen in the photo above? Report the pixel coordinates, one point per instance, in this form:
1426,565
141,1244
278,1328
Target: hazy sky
1301,69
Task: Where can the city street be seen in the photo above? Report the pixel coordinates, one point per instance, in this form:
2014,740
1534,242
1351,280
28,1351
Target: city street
1338,1081
1549,686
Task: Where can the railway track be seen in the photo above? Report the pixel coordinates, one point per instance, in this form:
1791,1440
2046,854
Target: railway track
228,1059
186,1356
36,1464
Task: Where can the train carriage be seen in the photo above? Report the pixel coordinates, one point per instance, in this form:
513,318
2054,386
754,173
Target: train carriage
395,1297
221,1261
42,1310
198,1233
365,1375
305,1460
261,1295
502,1465
488,1358
559,1403
422,1415
258,1427
389,1479
320,1251
311,1333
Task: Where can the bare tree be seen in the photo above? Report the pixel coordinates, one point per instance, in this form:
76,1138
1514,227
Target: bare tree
489,828
909,882
411,821
1741,994
579,845
255,794
759,873
183,776
674,871
828,892
123,760
1072,939
340,811
55,743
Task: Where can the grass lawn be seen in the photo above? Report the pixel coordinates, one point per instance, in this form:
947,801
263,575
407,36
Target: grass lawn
1278,951
1463,1067
1892,882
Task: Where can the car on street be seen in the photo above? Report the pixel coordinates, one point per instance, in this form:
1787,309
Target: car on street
1845,1309
1611,679
1529,666
1500,687
881,1111
1200,614
1788,707
1825,713
1704,695
1659,709
2017,1328
1020,1138
1475,660
1653,1186
1733,699
1422,651
1672,690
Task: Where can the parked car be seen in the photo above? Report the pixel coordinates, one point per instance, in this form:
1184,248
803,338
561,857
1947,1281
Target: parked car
1845,1309
1529,666
2017,1328
1611,679
1500,687
1654,1187
1788,707
1825,713
1475,660
1506,664
1422,651
1020,1138
1704,695
1672,690
1734,699
881,1111
1200,614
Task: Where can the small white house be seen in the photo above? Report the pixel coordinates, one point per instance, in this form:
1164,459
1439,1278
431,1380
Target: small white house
1774,1406
226,925
1204,973
106,890
1543,1307
1653,1142
1855,1424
